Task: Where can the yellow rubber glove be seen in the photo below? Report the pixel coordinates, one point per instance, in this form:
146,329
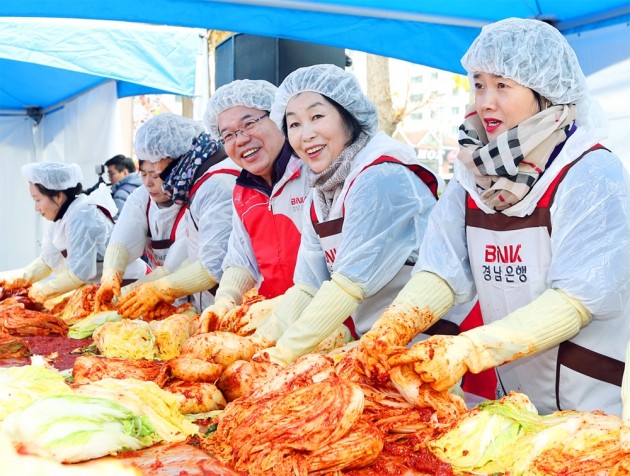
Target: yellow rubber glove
35,271
114,265
333,303
235,282
625,398
62,283
286,312
423,300
257,314
154,275
192,279
547,321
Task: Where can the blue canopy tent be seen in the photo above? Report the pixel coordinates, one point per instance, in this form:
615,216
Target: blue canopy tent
45,62
60,81
435,33
431,32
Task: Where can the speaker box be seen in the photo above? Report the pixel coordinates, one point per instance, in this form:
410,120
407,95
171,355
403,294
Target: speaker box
244,56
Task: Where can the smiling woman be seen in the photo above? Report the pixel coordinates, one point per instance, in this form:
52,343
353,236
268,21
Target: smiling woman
313,125
366,212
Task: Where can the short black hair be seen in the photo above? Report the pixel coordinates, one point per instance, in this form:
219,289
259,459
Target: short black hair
121,162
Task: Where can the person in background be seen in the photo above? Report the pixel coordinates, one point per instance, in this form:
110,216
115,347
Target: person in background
148,225
268,196
537,223
199,177
74,244
363,220
123,178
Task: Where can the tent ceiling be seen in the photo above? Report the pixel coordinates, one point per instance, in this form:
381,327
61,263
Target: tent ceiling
44,62
430,32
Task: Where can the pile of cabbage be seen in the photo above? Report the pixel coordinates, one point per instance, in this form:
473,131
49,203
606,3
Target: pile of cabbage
136,339
509,436
48,418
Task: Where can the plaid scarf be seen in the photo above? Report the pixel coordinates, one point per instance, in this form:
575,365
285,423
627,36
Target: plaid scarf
180,180
507,167
328,183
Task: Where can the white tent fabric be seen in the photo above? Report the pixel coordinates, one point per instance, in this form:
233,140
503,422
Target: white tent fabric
86,131
434,33
46,61
60,81
611,88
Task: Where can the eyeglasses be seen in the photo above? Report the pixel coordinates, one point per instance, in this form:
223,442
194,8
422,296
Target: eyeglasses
247,130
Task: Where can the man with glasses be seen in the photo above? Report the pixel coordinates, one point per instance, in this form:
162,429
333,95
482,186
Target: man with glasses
268,197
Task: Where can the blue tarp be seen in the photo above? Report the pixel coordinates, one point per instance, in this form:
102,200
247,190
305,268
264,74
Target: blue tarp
44,62
430,32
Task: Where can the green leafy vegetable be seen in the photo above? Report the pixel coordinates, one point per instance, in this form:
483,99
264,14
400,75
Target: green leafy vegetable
145,398
86,326
19,386
71,428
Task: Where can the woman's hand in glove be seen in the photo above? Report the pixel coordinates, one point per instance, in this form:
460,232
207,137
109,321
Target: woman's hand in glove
37,293
371,358
141,300
11,284
109,288
210,318
440,360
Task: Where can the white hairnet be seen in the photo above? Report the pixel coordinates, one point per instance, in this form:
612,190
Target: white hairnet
166,135
537,56
334,83
258,94
53,175
532,53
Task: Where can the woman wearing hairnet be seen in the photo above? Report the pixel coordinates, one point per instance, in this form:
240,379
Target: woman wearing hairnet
537,223
200,177
74,244
268,196
148,224
363,221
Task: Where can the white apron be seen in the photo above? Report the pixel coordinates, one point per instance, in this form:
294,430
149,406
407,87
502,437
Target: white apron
510,259
160,243
330,235
202,299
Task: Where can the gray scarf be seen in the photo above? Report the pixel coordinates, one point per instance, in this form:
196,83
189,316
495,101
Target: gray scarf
329,182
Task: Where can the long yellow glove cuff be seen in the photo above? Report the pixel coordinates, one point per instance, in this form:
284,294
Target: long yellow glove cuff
154,275
116,257
625,399
333,303
62,283
287,311
35,271
547,321
423,300
235,282
192,279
